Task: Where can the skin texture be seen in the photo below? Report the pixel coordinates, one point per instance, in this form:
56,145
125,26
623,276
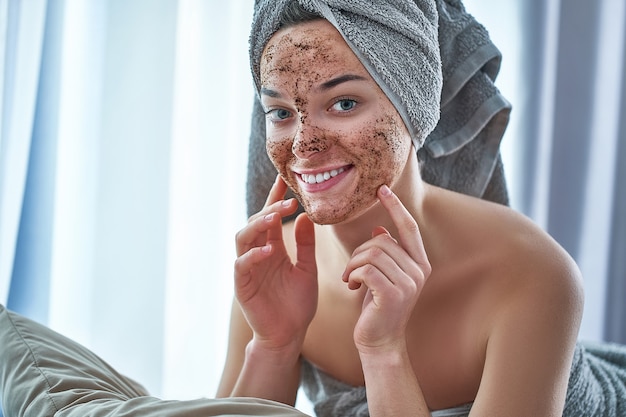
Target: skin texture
429,298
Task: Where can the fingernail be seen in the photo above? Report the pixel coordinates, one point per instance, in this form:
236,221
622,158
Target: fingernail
286,203
269,217
384,190
266,249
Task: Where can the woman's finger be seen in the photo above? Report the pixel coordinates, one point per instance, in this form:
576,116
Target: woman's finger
277,192
388,258
367,275
275,201
259,232
305,243
408,230
382,241
247,262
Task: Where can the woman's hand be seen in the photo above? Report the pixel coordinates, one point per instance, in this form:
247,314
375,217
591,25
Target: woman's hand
278,298
394,272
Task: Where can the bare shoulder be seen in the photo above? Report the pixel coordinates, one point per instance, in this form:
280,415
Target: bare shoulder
532,260
531,303
537,305
522,252
522,269
538,280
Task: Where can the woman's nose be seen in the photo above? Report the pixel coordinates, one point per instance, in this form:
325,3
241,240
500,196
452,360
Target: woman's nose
309,140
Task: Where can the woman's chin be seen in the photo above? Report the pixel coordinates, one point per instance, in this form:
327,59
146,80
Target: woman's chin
325,218
328,216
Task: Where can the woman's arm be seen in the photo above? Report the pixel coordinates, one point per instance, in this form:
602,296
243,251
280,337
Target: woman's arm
270,374
251,372
394,270
392,387
276,301
239,336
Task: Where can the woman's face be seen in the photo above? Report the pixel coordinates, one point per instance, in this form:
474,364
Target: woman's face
331,132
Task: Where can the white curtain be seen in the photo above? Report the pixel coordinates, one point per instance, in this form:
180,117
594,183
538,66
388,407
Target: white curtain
123,138
124,134
22,32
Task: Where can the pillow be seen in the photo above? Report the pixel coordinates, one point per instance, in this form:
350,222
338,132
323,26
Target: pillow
44,374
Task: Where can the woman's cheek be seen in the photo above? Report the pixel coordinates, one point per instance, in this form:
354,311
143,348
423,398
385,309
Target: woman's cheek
388,150
398,143
278,150
280,154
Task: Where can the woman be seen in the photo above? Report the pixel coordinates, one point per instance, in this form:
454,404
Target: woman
430,299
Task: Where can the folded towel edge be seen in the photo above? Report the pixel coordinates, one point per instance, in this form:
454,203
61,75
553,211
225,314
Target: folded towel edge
482,56
489,109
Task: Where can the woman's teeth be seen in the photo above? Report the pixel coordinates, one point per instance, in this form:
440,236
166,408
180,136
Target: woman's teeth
321,177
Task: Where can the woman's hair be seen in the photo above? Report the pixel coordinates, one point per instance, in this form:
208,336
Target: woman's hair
295,13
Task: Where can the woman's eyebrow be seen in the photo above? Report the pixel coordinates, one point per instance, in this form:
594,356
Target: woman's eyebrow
323,87
341,79
270,93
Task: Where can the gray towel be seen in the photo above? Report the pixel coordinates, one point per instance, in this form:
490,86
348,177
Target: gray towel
597,386
462,152
395,40
597,383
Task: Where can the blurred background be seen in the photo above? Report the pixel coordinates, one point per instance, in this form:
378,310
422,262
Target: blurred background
123,154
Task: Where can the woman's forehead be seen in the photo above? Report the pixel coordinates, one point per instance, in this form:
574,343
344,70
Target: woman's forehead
309,48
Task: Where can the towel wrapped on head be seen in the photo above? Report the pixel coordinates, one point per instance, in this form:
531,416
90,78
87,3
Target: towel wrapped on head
434,62
382,35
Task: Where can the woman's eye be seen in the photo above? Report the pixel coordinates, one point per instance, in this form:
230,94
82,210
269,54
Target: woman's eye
344,105
279,114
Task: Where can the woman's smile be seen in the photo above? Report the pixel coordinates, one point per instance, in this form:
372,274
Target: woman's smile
320,177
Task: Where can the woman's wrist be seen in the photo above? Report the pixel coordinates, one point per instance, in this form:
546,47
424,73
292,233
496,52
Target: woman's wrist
281,356
397,346
264,363
384,357
392,386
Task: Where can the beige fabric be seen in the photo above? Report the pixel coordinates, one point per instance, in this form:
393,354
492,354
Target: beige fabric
44,374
